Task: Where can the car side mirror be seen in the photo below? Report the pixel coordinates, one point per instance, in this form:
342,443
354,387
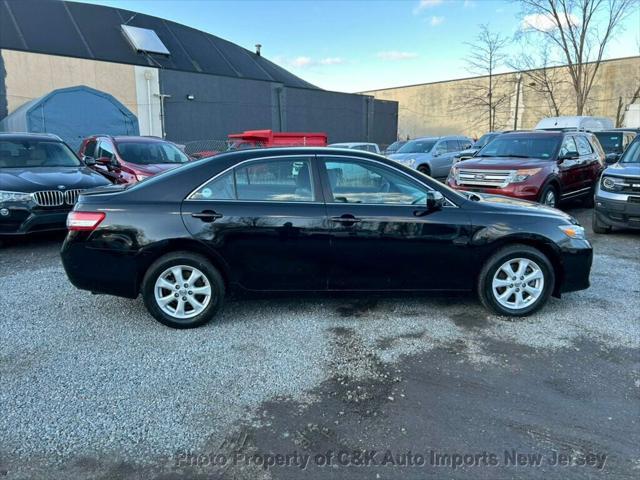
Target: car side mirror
611,158
108,162
438,152
435,201
88,160
569,156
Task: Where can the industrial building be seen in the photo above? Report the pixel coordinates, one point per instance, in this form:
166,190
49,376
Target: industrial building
443,108
69,63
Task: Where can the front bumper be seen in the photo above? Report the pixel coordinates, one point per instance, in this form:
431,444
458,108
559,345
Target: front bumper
617,209
22,220
521,191
576,258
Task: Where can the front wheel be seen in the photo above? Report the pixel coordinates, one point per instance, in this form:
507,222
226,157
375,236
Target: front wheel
183,290
549,196
516,281
425,169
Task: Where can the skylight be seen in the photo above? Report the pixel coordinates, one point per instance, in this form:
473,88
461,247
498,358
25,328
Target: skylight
144,40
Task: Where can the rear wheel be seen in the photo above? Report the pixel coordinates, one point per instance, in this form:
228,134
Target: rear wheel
516,281
425,169
183,290
597,226
549,196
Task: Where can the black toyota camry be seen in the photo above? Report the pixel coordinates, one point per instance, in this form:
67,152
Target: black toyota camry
40,180
315,219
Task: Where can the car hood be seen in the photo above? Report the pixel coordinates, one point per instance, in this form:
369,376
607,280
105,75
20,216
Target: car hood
503,163
155,168
407,156
623,169
517,206
30,180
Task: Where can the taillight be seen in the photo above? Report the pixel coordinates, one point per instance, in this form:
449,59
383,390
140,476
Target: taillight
84,220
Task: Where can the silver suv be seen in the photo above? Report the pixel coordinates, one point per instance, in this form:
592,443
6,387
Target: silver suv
432,156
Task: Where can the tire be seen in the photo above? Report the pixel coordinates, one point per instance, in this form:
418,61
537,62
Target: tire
548,190
539,265
597,226
425,169
198,307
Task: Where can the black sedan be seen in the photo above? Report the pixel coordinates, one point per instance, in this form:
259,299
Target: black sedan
40,181
315,219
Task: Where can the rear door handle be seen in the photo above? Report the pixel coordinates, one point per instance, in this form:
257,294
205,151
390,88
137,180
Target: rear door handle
346,219
207,215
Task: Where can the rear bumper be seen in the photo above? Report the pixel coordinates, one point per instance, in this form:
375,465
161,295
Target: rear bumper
576,259
100,270
616,210
22,220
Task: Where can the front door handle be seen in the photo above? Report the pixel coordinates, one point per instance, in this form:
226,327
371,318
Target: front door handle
347,219
207,216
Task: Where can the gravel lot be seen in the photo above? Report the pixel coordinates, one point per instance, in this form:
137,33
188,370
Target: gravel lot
93,387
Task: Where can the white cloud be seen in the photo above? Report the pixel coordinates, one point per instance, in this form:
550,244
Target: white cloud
394,55
545,22
435,21
302,62
332,61
469,4
424,4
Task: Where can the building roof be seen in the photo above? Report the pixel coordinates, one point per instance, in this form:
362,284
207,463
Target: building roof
82,30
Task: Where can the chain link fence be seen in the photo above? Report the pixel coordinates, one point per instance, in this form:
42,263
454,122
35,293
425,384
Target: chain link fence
208,148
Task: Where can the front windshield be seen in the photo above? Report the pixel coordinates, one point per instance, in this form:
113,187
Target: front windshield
632,155
522,146
611,142
417,146
36,153
484,139
149,153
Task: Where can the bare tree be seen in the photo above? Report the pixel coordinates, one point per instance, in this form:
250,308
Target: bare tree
541,75
623,106
486,94
580,30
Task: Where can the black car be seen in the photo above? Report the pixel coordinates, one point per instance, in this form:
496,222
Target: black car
315,219
614,143
617,198
40,180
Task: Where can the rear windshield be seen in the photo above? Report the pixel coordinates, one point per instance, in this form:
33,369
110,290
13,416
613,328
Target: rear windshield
522,146
417,146
149,153
36,153
611,142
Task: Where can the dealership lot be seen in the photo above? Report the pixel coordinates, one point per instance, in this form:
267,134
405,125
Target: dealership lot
92,386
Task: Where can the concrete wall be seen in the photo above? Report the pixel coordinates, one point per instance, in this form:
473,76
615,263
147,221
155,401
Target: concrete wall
31,75
443,107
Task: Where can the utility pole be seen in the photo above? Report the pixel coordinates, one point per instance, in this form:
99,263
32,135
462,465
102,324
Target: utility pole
515,120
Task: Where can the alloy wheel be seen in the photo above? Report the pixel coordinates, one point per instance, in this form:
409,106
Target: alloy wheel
550,198
518,283
182,291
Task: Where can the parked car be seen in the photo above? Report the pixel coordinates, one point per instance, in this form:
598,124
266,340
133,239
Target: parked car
617,201
432,156
367,147
583,122
130,159
40,180
614,143
315,219
544,167
475,148
393,148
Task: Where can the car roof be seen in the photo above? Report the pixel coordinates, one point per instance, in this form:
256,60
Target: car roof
443,137
16,136
537,133
350,143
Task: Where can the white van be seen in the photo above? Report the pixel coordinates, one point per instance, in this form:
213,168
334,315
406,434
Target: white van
593,124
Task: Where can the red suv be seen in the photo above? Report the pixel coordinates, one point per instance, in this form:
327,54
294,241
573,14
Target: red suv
542,166
130,159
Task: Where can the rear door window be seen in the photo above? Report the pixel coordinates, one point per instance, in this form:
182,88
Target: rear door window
584,148
568,146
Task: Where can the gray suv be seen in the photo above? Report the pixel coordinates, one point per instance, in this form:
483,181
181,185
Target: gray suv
432,155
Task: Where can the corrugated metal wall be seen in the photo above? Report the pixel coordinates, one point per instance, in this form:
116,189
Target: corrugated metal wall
222,105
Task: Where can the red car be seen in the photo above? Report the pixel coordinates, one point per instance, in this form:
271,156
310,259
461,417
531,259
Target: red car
541,166
130,159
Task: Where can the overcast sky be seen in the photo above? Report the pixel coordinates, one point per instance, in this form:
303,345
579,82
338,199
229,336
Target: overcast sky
359,45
